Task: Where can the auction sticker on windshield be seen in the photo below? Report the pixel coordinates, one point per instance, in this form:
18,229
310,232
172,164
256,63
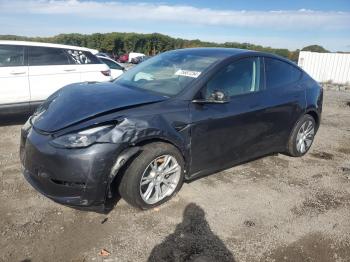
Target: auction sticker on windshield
187,73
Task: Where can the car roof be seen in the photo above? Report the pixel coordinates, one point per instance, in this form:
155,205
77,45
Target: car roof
214,51
223,52
30,43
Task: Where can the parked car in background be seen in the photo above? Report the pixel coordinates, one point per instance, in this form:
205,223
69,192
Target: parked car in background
102,54
30,72
123,58
116,69
139,59
178,116
133,55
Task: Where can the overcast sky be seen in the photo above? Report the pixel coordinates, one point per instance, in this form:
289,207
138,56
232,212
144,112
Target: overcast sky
277,23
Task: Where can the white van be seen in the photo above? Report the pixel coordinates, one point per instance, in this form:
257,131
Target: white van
30,72
134,55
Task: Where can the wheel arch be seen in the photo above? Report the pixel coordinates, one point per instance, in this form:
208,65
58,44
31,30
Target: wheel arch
129,154
149,140
315,116
311,112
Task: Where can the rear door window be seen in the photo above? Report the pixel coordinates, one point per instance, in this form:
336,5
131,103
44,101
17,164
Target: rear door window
41,56
11,55
279,73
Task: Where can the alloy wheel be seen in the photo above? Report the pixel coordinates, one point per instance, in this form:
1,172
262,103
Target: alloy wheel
305,136
160,179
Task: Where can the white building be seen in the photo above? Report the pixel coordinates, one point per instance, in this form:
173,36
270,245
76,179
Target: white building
325,67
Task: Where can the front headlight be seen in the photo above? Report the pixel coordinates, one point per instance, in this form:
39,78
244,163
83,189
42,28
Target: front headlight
81,139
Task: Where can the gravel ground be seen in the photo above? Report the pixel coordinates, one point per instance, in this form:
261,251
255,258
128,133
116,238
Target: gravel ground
276,208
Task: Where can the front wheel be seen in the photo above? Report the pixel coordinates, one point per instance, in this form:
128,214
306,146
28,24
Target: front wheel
153,177
302,136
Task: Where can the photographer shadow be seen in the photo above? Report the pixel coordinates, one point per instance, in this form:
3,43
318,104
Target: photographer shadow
192,240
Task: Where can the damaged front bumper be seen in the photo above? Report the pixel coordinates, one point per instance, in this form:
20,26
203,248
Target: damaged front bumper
74,177
82,177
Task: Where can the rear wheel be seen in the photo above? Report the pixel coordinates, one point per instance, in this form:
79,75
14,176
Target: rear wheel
153,177
302,136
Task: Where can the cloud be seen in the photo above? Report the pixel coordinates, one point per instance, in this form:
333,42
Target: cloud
186,14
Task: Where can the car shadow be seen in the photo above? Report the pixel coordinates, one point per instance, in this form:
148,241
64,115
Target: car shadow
193,240
195,178
113,200
109,204
13,120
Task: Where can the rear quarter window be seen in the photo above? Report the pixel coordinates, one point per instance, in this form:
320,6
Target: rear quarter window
279,73
83,57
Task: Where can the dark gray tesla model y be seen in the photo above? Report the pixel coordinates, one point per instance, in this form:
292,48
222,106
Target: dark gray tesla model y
175,117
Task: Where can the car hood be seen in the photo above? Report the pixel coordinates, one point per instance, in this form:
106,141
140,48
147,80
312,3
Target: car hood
79,102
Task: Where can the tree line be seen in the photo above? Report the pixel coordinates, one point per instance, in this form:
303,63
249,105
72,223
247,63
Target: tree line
150,44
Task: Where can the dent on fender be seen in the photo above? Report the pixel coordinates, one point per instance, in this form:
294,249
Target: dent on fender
134,130
131,131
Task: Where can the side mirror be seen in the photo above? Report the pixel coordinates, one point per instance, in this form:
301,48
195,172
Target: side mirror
217,97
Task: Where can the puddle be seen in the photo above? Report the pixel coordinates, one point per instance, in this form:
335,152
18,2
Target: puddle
249,223
321,203
311,247
317,176
323,155
346,170
344,151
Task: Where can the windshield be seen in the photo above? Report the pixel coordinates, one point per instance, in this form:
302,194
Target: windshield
167,73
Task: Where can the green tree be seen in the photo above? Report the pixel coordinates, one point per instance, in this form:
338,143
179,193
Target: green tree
150,44
315,48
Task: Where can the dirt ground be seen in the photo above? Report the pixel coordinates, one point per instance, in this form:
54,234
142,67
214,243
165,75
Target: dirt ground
273,209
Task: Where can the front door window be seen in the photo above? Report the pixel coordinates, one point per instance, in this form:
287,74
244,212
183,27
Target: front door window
240,77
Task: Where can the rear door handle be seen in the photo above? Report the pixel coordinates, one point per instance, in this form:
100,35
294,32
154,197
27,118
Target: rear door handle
254,106
69,70
18,72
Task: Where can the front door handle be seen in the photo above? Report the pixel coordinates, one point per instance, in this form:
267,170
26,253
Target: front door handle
69,70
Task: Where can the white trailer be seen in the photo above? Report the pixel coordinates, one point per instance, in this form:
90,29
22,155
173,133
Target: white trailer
324,67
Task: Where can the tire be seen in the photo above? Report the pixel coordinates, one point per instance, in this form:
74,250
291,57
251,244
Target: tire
295,144
130,188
